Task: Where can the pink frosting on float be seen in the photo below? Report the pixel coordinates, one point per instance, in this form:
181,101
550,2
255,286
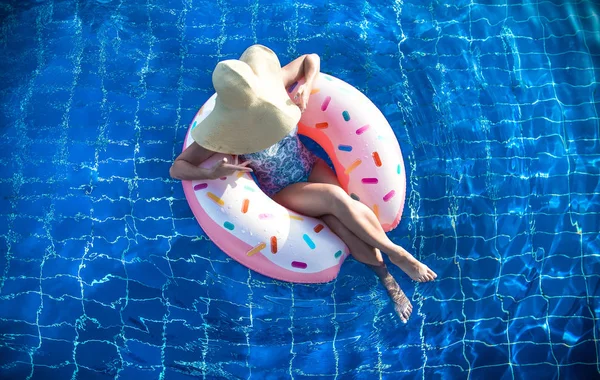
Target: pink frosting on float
350,129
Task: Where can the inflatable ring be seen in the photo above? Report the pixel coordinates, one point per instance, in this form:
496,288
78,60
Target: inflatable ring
264,236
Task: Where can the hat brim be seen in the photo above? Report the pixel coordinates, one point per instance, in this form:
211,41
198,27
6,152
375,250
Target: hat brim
232,131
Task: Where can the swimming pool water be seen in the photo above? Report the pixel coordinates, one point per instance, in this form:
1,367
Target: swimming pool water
105,274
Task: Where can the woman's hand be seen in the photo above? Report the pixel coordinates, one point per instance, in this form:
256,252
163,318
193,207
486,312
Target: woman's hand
223,169
307,66
301,96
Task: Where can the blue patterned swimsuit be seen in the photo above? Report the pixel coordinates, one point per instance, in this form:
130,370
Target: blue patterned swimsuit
282,164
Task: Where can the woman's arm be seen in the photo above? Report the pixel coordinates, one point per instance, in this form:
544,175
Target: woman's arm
186,164
186,167
307,66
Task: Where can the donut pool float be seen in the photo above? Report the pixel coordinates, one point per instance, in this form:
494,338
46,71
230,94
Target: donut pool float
268,238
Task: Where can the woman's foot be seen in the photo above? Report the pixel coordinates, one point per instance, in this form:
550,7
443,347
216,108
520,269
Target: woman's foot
414,268
402,305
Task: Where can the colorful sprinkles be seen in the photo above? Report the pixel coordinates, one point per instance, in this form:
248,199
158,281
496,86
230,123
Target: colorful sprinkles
377,159
309,242
215,199
345,148
362,129
245,205
398,170
201,186
292,87
229,226
273,244
295,217
389,196
346,115
314,91
322,125
256,249
299,264
325,103
353,166
354,196
370,181
318,228
338,254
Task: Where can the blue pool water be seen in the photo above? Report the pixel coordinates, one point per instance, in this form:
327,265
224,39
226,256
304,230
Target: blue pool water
104,273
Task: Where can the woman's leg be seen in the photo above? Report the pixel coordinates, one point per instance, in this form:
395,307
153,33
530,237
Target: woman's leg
371,257
360,250
318,199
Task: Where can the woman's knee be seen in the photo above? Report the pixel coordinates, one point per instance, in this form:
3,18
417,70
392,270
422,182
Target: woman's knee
337,200
360,250
368,255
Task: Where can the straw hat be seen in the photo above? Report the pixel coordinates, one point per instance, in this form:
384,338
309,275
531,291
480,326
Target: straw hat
252,109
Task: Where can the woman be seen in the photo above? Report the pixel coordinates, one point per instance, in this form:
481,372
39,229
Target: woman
251,95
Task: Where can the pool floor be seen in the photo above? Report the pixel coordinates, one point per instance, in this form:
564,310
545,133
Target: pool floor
105,274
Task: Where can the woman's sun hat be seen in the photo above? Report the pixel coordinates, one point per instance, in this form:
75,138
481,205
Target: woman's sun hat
252,109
